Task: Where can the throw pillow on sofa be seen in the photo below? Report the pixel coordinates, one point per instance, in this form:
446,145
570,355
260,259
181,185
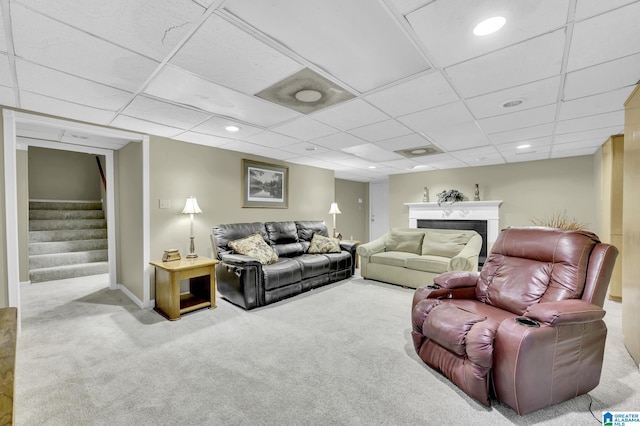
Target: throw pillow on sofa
444,244
322,244
255,246
409,242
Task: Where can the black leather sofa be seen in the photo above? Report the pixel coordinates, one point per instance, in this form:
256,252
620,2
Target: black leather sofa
246,282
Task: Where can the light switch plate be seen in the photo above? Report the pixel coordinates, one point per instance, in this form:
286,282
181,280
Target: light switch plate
165,204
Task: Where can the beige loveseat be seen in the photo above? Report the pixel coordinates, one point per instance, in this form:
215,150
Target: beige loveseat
412,257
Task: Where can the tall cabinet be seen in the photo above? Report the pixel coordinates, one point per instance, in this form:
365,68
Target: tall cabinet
612,192
631,227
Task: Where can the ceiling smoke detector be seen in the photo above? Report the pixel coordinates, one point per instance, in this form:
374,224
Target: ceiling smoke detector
305,91
420,151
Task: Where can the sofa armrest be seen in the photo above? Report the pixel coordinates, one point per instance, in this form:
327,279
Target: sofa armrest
457,279
349,246
565,312
372,247
467,259
241,260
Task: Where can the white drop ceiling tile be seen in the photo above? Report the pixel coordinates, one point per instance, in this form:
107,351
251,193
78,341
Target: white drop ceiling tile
313,162
446,27
185,88
371,152
520,119
76,52
60,108
6,78
444,116
403,142
379,131
474,153
452,163
421,93
304,148
150,27
201,139
144,126
460,136
405,6
263,151
583,144
349,175
349,115
522,134
573,153
338,141
163,112
3,40
588,135
486,160
538,93
588,8
595,104
602,78
405,165
364,50
357,163
535,155
331,156
230,57
37,79
532,60
534,144
270,139
609,119
605,37
216,126
7,96
305,128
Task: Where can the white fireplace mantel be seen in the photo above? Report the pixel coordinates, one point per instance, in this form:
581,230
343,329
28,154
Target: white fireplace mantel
461,210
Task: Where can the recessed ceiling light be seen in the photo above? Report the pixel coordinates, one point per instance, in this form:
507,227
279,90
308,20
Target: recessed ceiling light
523,146
489,26
418,151
512,103
372,167
308,95
232,129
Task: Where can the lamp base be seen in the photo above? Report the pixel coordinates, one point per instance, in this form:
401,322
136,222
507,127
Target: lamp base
191,256
192,249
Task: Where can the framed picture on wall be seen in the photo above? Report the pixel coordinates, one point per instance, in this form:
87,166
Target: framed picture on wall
264,185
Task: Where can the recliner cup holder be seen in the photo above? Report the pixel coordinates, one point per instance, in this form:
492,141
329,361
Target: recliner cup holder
527,322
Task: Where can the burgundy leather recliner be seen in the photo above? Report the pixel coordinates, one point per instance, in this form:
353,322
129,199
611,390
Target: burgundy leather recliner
528,328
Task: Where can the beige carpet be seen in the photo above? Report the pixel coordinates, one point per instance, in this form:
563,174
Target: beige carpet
340,355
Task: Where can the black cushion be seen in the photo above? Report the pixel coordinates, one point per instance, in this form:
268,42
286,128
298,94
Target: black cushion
284,272
306,229
282,232
289,250
225,233
313,265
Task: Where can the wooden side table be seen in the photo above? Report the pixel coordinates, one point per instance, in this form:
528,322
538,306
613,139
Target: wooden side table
202,286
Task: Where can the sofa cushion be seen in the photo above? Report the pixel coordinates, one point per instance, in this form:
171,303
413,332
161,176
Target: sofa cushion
444,244
255,246
306,229
409,242
312,265
322,244
289,250
282,232
282,273
225,233
436,264
392,258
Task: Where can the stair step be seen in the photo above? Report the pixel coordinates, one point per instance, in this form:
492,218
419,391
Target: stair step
69,271
39,261
65,214
65,205
67,246
67,235
52,225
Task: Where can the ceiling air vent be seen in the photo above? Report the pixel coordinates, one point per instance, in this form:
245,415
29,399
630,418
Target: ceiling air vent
305,91
420,151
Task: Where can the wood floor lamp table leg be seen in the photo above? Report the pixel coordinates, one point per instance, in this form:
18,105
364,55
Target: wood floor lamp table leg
202,286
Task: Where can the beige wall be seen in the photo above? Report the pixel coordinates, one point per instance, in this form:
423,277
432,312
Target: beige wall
129,218
63,175
529,190
353,200
179,170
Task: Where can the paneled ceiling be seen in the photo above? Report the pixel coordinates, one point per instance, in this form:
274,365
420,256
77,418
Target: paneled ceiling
417,79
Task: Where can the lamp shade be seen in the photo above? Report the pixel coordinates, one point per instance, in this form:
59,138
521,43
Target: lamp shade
334,209
191,206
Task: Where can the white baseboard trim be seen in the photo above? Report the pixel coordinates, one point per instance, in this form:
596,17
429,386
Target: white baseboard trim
25,283
130,295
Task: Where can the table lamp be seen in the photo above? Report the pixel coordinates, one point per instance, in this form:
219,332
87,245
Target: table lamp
191,207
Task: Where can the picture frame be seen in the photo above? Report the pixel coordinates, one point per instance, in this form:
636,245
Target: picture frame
264,185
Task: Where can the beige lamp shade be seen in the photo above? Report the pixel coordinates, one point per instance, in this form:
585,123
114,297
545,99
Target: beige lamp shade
191,206
334,209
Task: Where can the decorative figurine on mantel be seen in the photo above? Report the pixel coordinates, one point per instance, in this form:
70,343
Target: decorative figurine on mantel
476,197
425,197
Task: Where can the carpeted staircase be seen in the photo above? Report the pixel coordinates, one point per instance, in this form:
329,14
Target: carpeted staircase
66,240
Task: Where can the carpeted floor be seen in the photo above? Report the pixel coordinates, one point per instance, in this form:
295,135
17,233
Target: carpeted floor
340,355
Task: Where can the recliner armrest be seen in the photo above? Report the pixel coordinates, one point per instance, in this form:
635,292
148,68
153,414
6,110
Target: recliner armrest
241,260
457,279
565,312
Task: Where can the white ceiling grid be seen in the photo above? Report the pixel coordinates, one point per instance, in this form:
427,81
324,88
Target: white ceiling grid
186,69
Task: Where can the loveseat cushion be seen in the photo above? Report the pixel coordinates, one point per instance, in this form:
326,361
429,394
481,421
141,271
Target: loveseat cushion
255,246
435,264
322,244
444,244
409,242
392,258
282,232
